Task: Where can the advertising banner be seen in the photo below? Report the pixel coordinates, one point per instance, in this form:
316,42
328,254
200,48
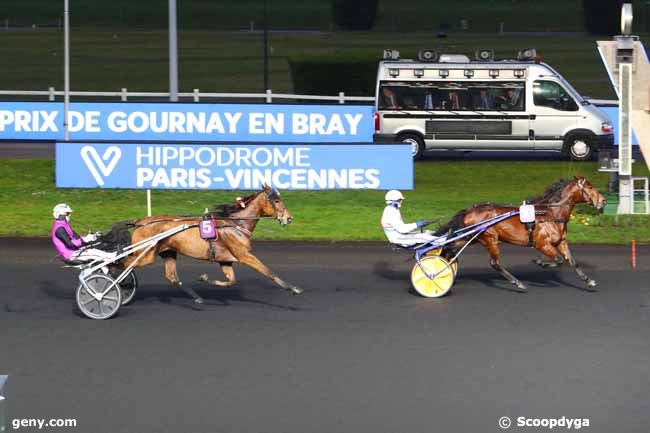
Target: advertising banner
191,122
233,166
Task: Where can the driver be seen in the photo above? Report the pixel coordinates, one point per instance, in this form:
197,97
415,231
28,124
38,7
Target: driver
394,227
68,243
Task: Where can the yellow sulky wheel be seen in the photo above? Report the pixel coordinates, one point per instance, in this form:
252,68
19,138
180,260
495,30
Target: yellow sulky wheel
437,252
442,276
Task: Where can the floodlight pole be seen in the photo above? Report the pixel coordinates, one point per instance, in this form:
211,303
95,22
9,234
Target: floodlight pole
66,69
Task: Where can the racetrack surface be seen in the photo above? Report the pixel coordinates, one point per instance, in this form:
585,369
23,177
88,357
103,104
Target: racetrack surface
357,352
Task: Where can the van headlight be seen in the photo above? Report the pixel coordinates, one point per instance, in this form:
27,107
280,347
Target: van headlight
606,128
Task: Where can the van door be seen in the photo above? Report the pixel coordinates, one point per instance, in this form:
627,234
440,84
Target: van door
556,112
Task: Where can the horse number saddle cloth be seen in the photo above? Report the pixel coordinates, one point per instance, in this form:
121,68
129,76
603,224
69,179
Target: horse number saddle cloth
527,217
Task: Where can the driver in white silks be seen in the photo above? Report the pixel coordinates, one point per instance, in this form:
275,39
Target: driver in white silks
394,227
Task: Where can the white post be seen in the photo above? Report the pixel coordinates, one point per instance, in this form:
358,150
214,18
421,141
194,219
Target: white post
341,97
625,58
124,94
196,95
173,53
51,95
3,380
269,96
148,202
66,68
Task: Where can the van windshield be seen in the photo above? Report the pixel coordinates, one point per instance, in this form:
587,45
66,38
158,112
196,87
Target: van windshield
452,96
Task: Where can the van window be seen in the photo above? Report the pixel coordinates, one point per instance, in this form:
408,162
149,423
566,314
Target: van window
551,94
452,96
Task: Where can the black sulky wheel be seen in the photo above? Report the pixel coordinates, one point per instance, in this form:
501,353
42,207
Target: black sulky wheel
93,302
129,286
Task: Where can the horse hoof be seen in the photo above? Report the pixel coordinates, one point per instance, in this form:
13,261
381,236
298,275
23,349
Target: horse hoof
538,261
592,283
199,300
203,277
296,291
520,286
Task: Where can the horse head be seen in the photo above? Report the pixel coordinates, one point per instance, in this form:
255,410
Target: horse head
273,206
585,192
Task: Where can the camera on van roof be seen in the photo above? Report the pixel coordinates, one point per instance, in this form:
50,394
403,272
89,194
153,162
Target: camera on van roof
484,55
427,55
527,54
391,55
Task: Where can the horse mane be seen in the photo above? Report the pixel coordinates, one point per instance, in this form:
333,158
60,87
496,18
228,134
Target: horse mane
552,193
458,221
226,210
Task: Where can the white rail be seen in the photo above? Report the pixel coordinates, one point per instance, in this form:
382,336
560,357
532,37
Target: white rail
196,95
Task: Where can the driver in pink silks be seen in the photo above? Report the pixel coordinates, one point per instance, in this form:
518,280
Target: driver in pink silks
69,244
396,230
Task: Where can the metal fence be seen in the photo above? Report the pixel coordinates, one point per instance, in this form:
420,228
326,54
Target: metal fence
196,95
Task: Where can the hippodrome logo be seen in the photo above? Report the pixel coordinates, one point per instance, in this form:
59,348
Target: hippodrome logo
104,164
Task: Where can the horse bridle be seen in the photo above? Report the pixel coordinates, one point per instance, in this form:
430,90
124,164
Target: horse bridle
581,187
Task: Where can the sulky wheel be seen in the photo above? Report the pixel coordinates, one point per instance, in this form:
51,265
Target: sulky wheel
437,252
439,280
92,303
129,286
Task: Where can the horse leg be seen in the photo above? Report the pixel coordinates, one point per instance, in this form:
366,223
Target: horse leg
253,262
566,252
169,259
551,252
226,268
557,261
491,243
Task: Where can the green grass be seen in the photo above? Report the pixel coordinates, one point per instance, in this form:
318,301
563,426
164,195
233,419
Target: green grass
232,61
27,195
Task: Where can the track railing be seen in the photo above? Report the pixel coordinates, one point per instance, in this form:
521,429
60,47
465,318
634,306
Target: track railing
196,95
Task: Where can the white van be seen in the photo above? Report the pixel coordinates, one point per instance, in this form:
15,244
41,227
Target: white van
453,103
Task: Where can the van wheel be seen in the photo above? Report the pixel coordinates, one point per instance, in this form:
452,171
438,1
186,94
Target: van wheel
416,142
578,147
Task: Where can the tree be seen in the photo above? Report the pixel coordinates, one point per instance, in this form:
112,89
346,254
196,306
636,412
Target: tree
355,14
602,17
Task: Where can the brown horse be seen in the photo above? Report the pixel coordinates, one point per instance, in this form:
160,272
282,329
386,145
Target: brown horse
548,235
234,226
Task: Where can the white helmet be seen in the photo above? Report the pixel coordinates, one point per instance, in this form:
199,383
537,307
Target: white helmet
60,210
393,195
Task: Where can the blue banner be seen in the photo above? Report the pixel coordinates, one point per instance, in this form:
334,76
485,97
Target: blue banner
233,166
166,122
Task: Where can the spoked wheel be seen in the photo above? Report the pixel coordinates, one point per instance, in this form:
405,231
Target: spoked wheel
437,252
432,277
129,285
93,302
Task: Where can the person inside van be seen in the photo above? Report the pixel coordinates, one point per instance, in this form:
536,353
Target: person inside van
388,98
409,103
483,100
431,100
509,100
453,101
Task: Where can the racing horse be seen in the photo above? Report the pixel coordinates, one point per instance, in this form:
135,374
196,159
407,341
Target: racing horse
234,227
548,235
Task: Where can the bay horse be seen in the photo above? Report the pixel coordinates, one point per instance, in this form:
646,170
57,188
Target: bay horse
549,234
234,227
